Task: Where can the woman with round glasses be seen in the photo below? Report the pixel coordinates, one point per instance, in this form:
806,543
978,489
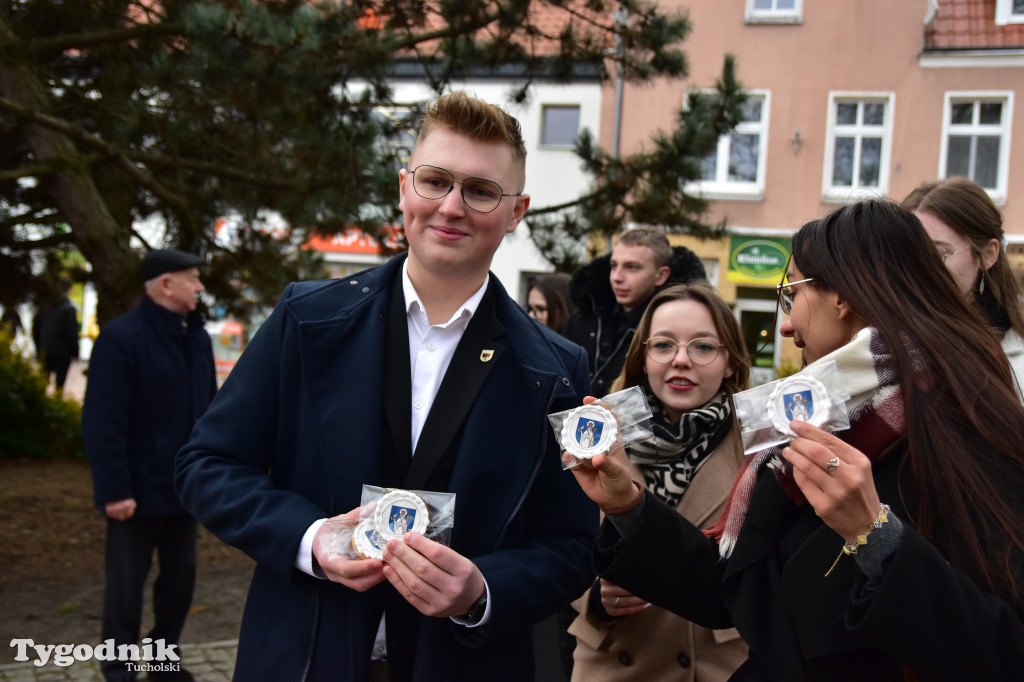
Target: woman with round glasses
893,550
967,229
689,357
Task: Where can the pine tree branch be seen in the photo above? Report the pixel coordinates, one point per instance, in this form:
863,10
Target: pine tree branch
32,171
97,38
44,243
109,150
574,203
414,40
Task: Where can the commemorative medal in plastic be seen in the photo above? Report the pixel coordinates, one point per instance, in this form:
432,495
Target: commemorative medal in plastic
588,431
367,540
804,398
399,512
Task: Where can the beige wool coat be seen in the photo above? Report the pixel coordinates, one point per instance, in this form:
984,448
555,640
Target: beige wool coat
657,644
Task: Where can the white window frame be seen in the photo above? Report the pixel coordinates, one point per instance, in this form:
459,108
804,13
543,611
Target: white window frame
1005,14
998,194
543,124
761,375
832,194
775,16
711,269
721,187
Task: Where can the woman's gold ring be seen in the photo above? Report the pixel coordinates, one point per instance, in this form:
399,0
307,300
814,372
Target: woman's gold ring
833,464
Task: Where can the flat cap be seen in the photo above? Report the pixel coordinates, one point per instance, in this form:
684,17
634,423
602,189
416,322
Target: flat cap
162,261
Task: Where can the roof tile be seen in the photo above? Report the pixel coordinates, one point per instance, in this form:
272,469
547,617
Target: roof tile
970,24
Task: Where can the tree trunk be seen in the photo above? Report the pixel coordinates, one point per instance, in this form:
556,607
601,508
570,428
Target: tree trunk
95,231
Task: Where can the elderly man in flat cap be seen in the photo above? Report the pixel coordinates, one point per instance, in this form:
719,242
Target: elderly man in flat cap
151,376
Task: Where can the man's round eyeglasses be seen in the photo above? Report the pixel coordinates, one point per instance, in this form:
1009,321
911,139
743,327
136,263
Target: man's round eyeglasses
483,196
663,350
786,294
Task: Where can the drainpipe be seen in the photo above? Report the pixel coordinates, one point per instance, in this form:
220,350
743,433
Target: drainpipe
620,22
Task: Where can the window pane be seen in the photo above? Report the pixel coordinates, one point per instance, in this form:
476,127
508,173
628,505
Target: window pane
842,166
709,166
743,158
991,112
846,113
958,160
1018,6
986,163
786,4
762,4
561,125
874,113
870,161
962,112
752,110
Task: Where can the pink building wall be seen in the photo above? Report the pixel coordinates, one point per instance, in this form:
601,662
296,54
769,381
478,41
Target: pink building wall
840,45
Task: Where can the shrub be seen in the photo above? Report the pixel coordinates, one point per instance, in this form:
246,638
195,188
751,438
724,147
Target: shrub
34,425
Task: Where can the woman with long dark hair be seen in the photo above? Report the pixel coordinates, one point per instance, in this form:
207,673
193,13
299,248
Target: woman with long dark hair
547,300
892,550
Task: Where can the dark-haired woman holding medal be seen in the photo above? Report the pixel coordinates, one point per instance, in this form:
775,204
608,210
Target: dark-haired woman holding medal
893,550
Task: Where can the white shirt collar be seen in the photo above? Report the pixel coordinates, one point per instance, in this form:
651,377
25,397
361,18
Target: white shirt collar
414,305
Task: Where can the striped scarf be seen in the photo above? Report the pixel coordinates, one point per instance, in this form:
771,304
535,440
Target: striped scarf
675,451
875,408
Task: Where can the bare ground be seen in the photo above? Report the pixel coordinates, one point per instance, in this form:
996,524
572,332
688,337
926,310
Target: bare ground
51,563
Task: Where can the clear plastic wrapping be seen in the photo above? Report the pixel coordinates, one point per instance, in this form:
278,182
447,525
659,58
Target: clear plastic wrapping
817,395
386,513
620,417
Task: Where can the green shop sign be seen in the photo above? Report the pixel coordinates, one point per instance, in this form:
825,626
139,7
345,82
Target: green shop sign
757,260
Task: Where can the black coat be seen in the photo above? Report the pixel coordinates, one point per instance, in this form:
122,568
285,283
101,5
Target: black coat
599,323
151,376
802,625
55,330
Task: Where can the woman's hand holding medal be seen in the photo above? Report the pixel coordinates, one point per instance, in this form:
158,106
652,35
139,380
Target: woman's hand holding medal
835,477
605,478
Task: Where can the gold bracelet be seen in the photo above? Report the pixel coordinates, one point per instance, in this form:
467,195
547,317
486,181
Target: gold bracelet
851,547
862,539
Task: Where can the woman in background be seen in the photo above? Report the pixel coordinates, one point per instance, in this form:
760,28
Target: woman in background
548,300
967,229
689,357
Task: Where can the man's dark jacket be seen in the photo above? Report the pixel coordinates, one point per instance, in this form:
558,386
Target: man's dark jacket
151,376
599,323
55,330
307,417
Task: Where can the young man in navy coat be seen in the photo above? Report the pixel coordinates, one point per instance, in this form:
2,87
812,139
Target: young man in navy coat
420,374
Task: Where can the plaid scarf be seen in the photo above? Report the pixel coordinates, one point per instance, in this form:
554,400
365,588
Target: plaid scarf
876,416
672,455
